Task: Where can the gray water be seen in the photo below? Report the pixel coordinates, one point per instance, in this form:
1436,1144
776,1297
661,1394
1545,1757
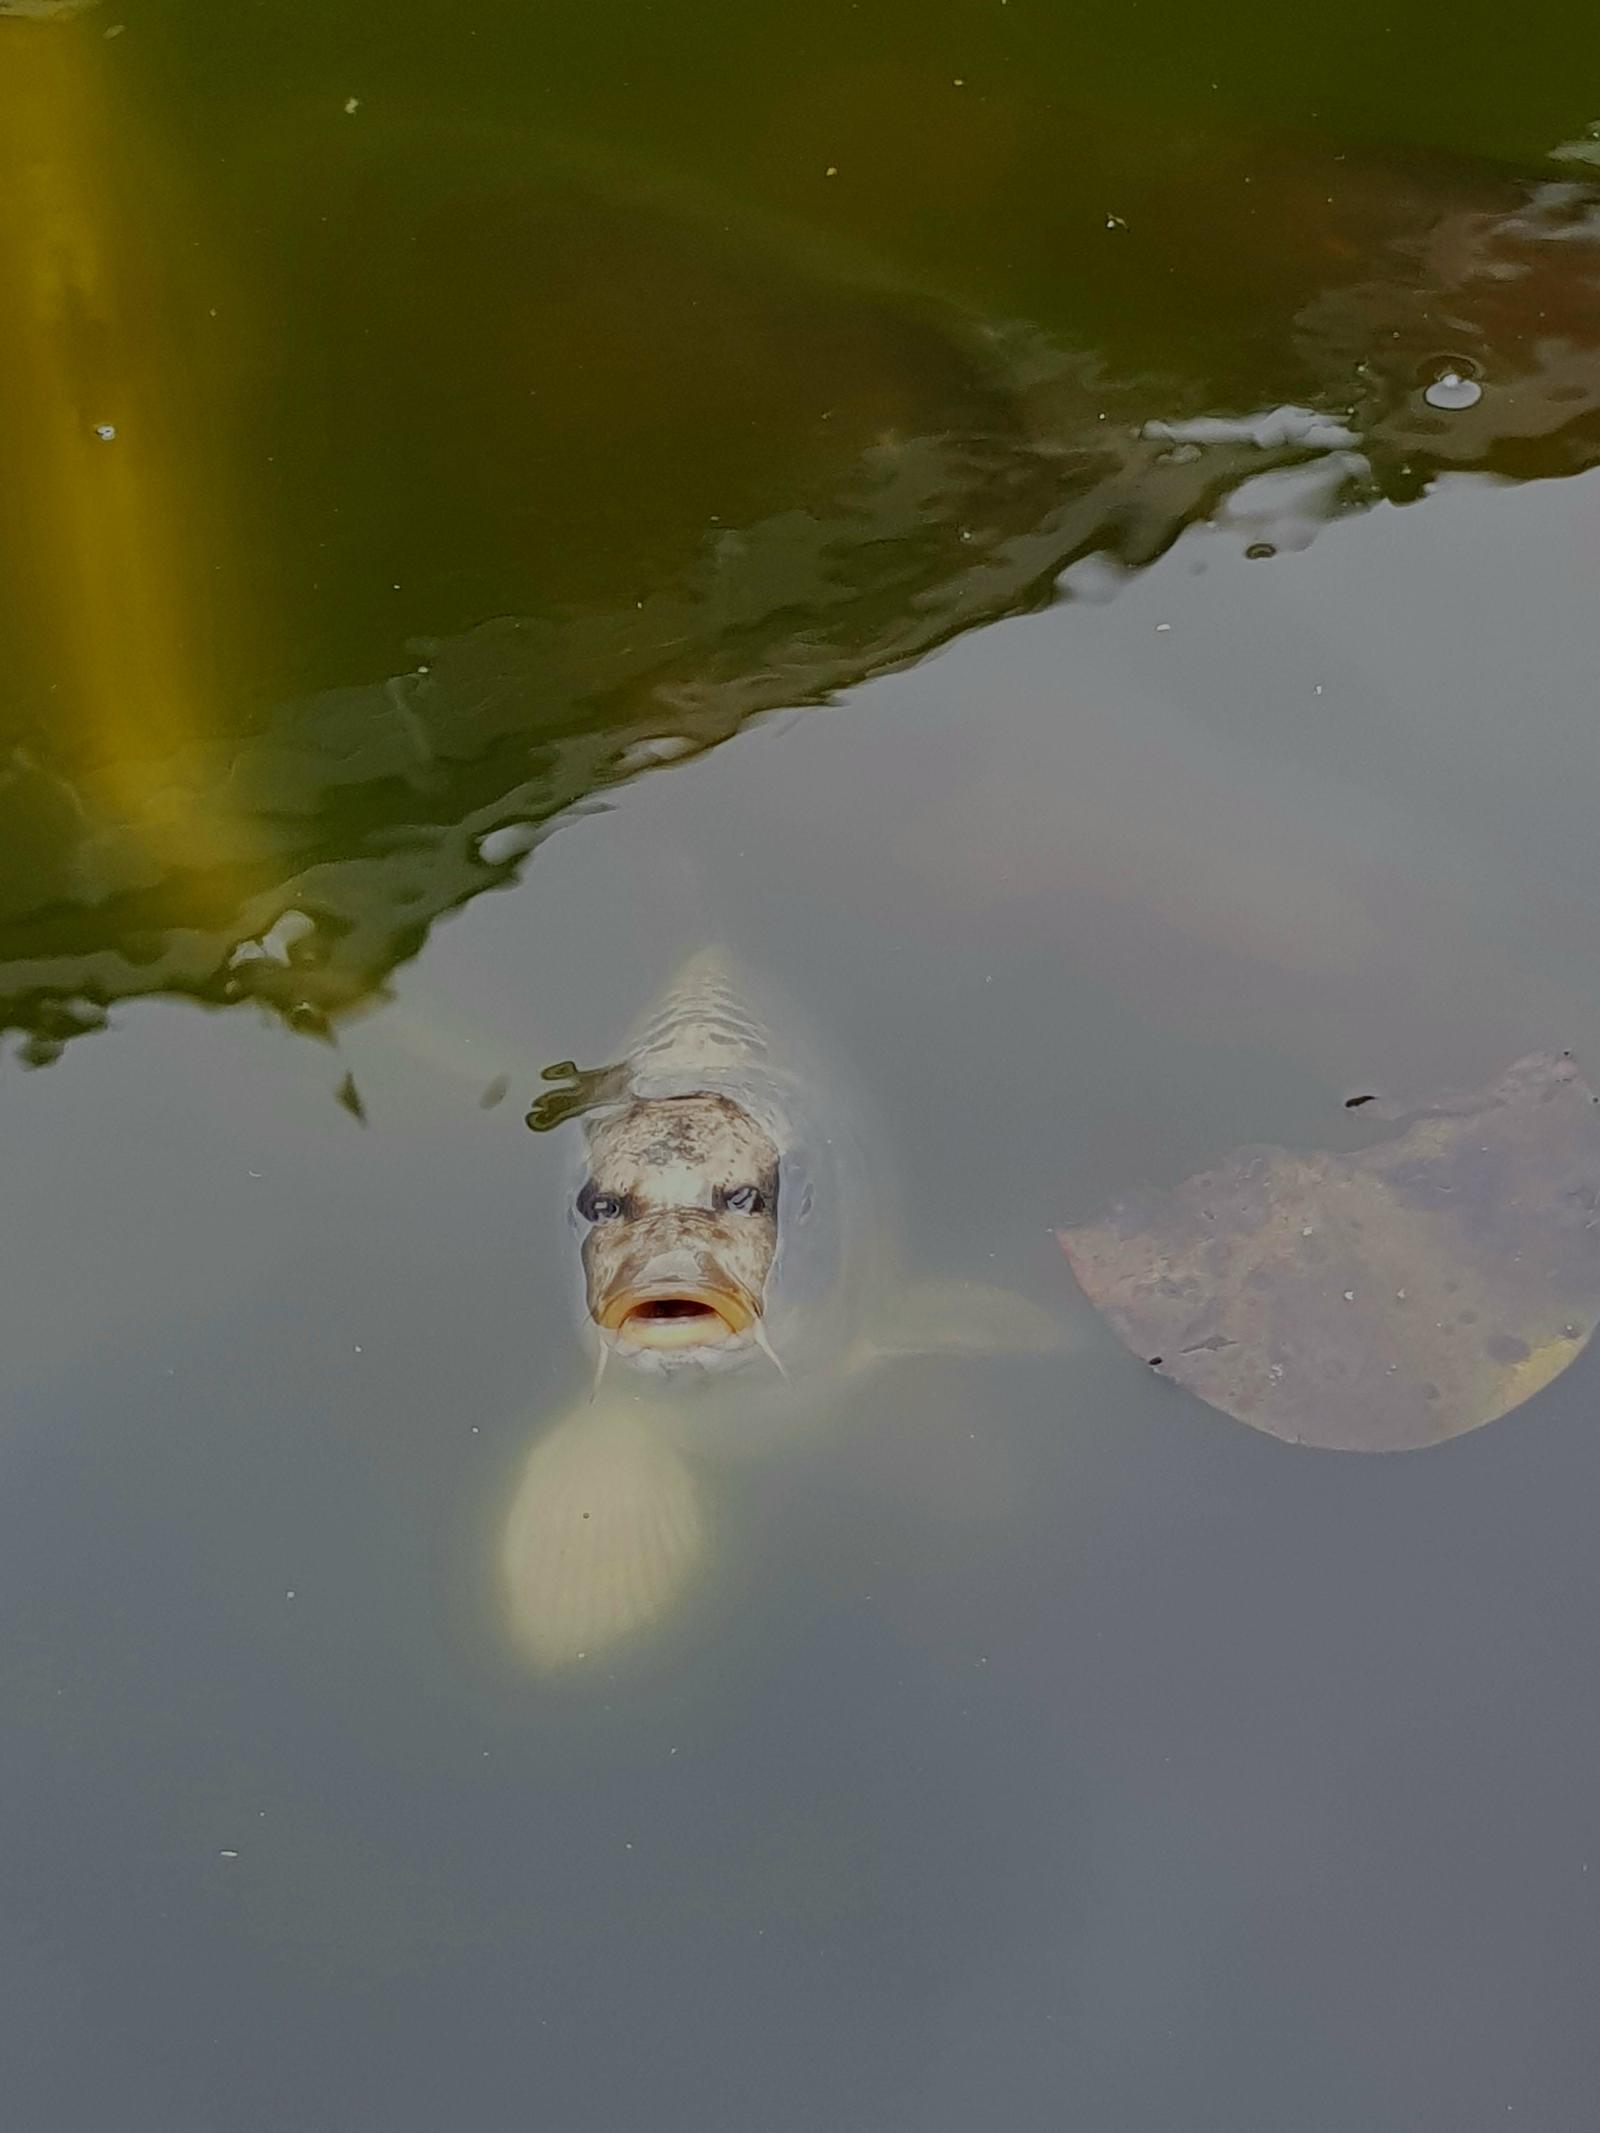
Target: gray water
1058,1752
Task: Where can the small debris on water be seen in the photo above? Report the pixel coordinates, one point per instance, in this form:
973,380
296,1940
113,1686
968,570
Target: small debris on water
495,1092
1115,222
310,1021
1162,628
1354,1103
106,432
352,104
227,1855
350,1097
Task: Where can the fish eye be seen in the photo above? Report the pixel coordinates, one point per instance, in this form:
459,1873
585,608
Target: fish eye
599,1206
745,1200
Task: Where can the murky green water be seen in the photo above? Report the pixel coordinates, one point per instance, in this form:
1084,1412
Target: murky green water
724,440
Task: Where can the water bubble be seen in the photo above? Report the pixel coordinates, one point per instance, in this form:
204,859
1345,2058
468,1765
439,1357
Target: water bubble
1453,390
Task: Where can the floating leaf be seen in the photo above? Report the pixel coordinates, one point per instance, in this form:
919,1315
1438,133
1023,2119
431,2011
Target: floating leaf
1379,1301
577,1090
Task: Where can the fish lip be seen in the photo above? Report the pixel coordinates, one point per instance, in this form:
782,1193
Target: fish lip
635,1318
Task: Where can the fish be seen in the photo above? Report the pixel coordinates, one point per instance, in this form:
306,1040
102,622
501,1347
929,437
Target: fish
739,1274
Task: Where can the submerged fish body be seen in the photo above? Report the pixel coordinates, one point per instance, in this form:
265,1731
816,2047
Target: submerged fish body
740,1274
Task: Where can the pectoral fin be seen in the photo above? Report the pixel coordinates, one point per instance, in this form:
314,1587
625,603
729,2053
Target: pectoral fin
960,1318
605,1534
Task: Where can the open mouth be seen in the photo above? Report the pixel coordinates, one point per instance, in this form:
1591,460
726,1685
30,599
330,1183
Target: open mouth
676,1317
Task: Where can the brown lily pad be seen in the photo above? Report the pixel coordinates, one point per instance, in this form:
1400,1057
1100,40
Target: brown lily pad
1379,1301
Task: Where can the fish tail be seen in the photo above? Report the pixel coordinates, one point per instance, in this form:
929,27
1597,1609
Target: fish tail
605,1536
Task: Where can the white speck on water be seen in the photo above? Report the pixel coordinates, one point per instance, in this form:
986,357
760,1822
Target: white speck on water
832,171
115,30
105,431
227,1855
1316,688
1307,1231
352,104
358,1347
1453,392
1349,1296
1115,222
289,1595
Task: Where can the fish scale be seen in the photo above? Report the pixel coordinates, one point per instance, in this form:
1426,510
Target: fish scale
701,1027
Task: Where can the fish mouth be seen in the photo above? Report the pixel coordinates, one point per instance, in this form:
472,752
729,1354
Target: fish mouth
673,1315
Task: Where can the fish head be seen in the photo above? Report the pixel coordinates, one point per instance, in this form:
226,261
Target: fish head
679,1214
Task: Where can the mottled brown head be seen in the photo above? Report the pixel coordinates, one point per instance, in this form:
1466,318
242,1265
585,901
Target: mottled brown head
681,1208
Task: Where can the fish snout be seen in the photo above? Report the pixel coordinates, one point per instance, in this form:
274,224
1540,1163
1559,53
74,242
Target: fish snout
671,1281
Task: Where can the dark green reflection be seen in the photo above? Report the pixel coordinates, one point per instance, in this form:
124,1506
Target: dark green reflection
547,468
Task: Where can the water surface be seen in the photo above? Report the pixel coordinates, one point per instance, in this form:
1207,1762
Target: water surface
599,504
